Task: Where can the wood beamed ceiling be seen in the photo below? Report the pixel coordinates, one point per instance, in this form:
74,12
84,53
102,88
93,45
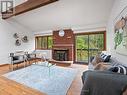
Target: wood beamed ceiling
27,6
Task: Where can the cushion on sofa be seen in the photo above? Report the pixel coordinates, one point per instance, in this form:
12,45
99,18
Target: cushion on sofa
119,69
102,55
91,58
15,58
97,59
102,66
105,57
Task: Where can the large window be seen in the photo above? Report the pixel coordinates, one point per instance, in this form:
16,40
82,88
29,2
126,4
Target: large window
89,44
44,42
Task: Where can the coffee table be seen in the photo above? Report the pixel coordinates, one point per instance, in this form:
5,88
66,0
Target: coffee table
45,64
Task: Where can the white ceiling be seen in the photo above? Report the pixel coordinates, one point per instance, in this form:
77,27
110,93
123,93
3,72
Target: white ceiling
66,14
17,2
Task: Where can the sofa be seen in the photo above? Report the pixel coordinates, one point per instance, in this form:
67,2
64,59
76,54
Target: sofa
104,82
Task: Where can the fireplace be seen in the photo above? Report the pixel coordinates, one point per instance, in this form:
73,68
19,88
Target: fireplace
61,55
63,47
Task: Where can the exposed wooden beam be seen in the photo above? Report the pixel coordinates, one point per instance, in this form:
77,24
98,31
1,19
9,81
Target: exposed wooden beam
27,6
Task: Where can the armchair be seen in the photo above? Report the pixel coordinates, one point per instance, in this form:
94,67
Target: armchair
16,59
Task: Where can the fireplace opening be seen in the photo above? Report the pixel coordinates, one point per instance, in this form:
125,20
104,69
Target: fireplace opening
61,55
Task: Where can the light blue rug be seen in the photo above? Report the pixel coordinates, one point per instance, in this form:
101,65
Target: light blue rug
37,77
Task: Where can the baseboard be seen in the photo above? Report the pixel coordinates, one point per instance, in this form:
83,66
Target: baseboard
3,65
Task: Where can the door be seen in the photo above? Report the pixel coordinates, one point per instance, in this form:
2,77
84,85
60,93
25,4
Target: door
82,48
87,45
96,44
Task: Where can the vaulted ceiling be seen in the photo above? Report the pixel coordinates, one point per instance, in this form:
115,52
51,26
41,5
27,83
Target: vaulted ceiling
66,14
23,7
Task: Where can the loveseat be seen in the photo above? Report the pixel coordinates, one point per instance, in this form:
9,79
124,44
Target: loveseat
106,82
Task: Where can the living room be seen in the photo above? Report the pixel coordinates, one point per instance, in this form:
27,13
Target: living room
53,43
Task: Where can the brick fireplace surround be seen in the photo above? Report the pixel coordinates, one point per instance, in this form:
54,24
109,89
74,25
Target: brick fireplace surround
65,43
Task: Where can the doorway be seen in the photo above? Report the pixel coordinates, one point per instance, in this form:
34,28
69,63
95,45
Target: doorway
89,44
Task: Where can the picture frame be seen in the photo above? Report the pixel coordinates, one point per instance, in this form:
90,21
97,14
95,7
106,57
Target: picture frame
120,33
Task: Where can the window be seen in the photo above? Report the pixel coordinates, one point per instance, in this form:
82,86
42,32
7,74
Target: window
50,42
89,44
44,42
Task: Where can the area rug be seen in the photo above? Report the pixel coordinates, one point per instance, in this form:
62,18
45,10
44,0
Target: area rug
57,82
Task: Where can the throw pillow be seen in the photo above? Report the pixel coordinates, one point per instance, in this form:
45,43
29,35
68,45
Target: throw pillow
97,59
102,54
105,57
101,66
119,69
15,58
91,58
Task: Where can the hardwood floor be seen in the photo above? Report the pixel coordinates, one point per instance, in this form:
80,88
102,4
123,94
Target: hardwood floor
9,87
76,86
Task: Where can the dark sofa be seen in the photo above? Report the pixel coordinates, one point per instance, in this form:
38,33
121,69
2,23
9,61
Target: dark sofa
103,82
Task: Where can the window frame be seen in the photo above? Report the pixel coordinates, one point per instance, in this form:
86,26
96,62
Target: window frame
90,33
96,32
47,46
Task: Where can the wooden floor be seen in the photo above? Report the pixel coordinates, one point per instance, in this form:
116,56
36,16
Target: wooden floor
9,87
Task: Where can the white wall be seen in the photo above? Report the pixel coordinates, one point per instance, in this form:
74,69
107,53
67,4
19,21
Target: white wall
46,53
119,5
7,41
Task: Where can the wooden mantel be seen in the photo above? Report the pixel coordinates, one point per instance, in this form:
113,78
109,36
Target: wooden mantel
27,6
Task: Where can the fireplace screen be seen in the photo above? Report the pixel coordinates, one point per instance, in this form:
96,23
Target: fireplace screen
61,55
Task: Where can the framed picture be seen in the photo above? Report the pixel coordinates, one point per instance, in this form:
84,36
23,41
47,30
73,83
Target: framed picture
120,33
